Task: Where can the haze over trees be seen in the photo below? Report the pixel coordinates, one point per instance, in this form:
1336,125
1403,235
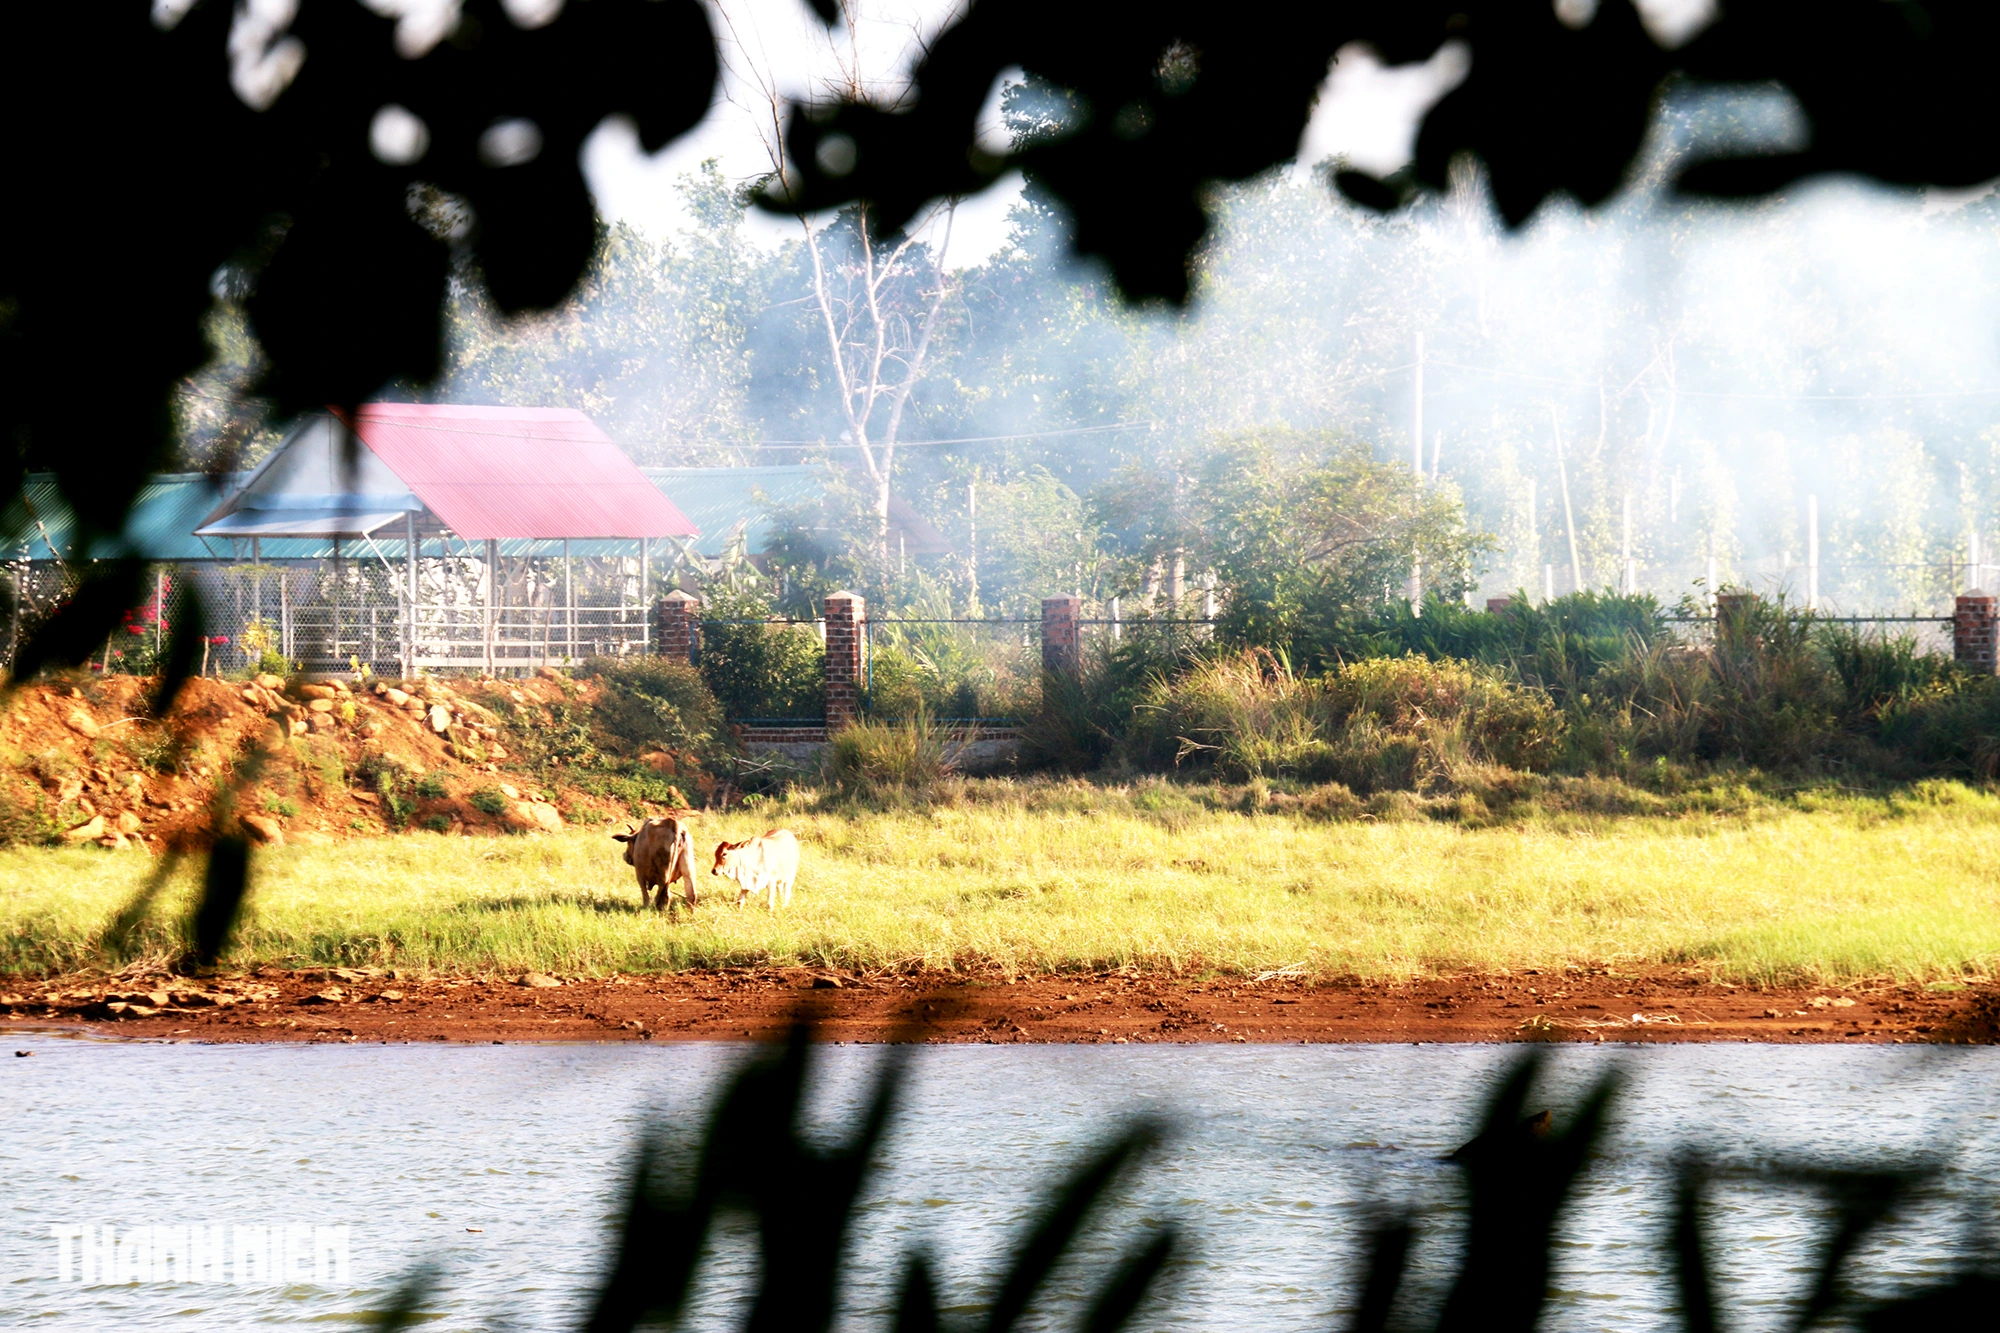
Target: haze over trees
1682,372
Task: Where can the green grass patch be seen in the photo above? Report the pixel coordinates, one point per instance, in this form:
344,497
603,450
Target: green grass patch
1053,876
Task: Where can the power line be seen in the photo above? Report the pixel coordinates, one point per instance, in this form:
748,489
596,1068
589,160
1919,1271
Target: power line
1566,382
1107,428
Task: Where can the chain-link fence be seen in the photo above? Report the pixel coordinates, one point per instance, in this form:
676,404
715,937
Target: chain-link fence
337,615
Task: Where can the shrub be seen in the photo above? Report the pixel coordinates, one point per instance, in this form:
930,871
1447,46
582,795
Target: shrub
650,703
758,669
1375,725
489,801
390,781
1080,720
24,823
431,787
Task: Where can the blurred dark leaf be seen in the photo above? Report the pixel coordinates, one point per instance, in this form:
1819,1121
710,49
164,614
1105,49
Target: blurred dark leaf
1388,1252
1050,1237
183,654
1691,1266
1520,1172
1128,1286
916,1307
406,1304
222,892
106,591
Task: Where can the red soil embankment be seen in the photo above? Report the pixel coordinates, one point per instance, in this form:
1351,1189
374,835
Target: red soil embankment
343,1004
296,759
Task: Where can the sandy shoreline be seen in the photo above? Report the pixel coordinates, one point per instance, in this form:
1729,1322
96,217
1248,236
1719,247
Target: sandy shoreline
375,1005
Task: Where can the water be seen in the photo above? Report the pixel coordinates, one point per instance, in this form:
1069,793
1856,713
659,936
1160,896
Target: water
1276,1159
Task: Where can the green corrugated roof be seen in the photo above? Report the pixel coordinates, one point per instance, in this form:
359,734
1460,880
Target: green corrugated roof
718,498
172,504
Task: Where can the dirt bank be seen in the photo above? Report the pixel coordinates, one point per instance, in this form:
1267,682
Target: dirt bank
315,761
378,1005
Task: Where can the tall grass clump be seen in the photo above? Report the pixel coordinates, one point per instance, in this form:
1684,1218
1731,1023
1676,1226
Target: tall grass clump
1380,724
1080,720
912,754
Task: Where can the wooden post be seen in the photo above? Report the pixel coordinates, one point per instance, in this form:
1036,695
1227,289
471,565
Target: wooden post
845,616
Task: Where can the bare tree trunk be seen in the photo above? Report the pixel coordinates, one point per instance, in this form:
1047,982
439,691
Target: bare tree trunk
863,348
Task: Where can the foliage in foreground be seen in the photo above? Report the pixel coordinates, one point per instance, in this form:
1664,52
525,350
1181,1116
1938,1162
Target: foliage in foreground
1520,1172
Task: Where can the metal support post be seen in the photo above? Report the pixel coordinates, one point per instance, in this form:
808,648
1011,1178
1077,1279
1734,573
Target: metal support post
409,617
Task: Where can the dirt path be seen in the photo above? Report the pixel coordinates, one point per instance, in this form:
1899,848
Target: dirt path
374,1005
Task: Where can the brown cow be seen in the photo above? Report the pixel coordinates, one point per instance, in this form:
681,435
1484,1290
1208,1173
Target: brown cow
660,851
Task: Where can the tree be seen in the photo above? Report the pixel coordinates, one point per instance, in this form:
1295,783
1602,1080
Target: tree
1303,532
878,304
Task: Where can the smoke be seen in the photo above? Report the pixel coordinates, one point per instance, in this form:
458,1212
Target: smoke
1663,386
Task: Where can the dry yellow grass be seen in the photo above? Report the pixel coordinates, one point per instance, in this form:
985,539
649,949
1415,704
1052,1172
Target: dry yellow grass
1074,878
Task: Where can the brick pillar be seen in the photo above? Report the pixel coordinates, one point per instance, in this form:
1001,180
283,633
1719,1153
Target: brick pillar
846,612
1973,632
675,618
1495,605
1060,645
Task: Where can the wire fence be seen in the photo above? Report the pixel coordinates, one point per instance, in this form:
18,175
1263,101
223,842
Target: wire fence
340,615
336,616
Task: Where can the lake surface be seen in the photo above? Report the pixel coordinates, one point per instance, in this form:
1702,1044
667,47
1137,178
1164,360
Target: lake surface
1278,1156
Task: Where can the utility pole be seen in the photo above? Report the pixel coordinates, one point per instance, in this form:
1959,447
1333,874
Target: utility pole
1812,553
1414,590
1711,571
1569,515
972,545
1417,414
1629,573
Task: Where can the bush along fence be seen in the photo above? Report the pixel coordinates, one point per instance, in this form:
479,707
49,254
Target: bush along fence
859,666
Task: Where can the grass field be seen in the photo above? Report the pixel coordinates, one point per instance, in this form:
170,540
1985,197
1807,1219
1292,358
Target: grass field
1046,878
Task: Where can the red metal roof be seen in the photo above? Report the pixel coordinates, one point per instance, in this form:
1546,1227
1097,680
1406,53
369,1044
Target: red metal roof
510,472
